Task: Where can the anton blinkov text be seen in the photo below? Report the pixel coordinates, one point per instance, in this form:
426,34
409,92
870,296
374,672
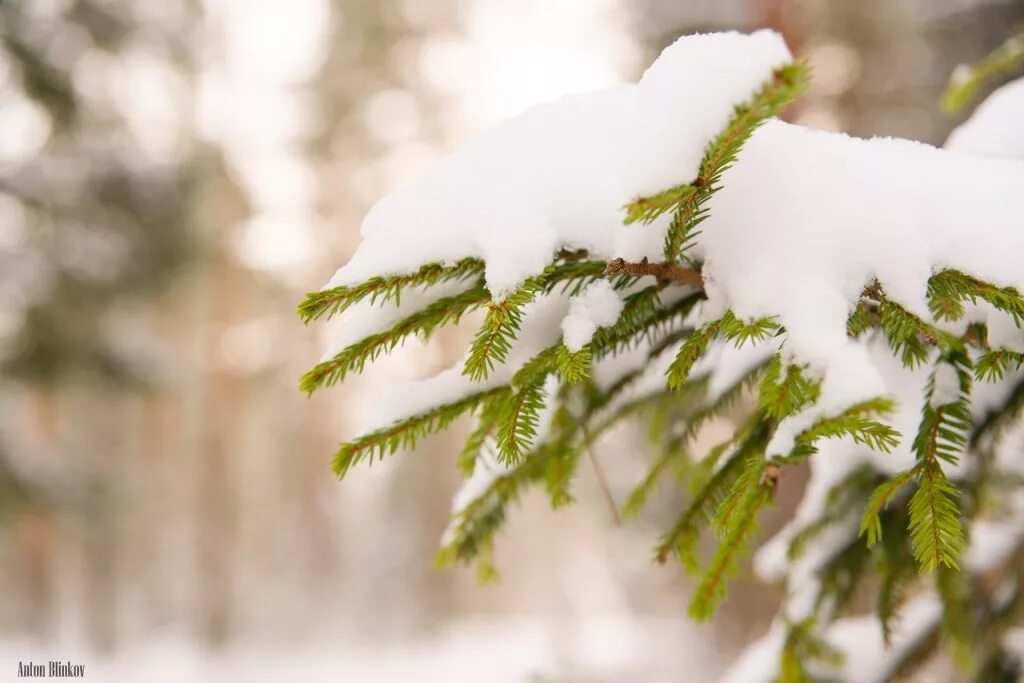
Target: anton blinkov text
50,670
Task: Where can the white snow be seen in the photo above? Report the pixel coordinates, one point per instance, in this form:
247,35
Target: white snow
596,306
759,661
995,127
559,174
867,658
947,386
795,231
992,542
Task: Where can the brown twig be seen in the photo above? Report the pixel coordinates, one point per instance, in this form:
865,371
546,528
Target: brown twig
666,273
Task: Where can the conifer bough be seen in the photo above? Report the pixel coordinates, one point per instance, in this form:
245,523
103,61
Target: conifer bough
663,249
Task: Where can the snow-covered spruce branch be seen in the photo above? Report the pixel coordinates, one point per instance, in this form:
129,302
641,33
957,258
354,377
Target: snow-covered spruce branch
663,249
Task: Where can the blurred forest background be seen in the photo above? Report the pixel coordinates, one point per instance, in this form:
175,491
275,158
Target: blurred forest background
174,175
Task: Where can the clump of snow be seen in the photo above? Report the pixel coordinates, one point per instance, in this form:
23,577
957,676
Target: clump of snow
796,231
995,127
559,174
596,306
947,386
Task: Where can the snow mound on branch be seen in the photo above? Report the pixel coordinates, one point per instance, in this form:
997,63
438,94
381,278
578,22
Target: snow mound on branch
559,174
997,127
947,386
596,306
806,219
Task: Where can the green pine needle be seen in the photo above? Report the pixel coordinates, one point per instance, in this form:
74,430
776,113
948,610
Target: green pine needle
690,352
993,365
404,434
936,533
499,329
948,290
740,332
909,336
871,522
353,358
750,494
330,302
681,539
784,395
519,421
574,366
648,209
857,422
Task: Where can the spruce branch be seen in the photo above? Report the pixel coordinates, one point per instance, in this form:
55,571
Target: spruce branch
739,332
783,395
330,302
944,429
499,329
519,421
993,365
563,451
947,290
683,536
936,533
691,351
574,366
407,432
353,358
857,422
751,493
643,317
675,453
871,523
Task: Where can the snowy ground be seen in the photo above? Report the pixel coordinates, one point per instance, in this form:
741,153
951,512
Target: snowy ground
498,651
